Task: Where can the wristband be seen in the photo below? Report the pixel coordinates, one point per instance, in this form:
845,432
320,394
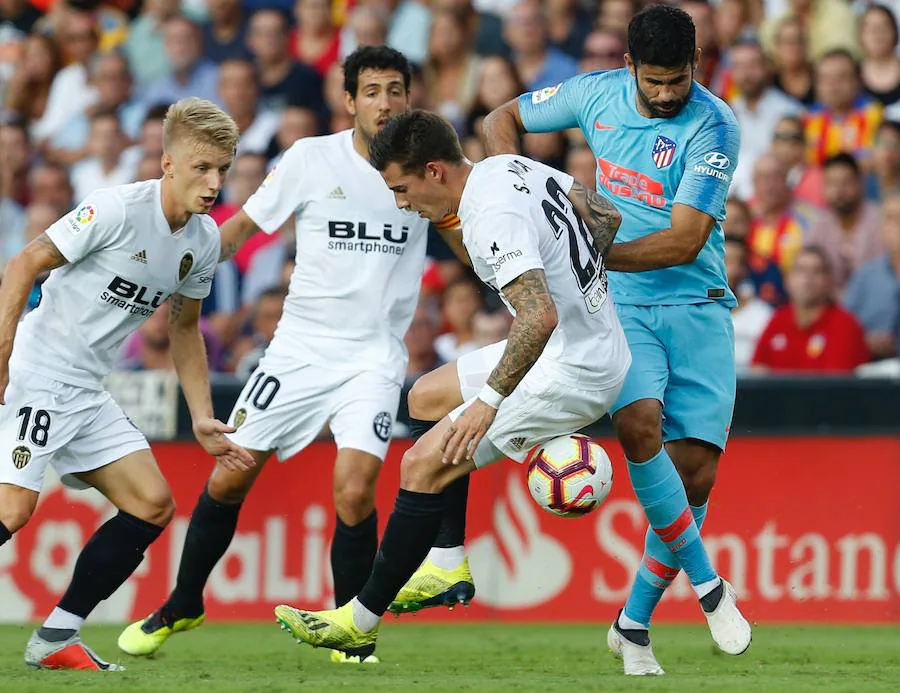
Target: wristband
490,396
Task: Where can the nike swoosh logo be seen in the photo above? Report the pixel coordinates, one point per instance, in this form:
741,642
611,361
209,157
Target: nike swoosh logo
600,126
585,491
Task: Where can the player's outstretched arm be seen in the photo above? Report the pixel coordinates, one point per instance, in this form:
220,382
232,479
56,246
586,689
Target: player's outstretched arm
535,321
680,244
38,256
235,233
189,355
502,129
599,214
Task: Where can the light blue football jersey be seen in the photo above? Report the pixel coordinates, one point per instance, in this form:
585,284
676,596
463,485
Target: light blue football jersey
644,166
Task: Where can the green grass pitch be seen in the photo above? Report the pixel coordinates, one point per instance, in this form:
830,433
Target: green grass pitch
464,657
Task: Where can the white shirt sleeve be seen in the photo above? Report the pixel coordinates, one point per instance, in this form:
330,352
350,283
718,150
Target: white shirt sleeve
199,280
90,227
281,193
508,243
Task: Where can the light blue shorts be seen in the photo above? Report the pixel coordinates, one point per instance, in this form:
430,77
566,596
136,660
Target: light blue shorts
683,356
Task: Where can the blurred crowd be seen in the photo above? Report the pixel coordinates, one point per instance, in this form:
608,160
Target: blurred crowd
813,221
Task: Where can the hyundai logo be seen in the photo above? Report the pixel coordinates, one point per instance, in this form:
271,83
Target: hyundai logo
717,160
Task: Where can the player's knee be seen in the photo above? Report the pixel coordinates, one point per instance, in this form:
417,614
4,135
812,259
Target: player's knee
638,428
228,488
354,500
156,506
15,517
417,471
427,400
698,483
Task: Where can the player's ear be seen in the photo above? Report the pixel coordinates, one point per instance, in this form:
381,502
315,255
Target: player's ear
350,103
697,53
168,165
629,63
434,170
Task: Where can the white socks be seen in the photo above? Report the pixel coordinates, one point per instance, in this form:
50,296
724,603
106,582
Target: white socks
447,558
63,620
626,623
705,588
364,619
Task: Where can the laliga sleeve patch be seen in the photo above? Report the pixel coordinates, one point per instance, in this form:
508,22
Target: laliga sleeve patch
82,217
544,94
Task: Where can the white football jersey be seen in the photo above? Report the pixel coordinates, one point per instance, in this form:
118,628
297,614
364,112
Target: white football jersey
124,262
516,217
359,259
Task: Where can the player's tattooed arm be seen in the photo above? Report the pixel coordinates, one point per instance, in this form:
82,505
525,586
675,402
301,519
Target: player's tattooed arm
18,279
234,233
502,129
599,214
531,329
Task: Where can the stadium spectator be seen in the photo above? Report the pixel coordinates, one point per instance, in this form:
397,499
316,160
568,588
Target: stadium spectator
763,274
779,225
264,318
150,141
614,15
829,25
333,92
367,25
811,333
108,163
581,165
191,74
146,45
20,14
461,300
568,25
737,219
419,342
885,175
758,108
880,67
453,69
849,231
15,157
409,28
789,147
498,83
148,168
711,62
844,118
148,349
239,93
750,315
316,41
37,218
538,64
733,19
225,35
70,92
111,80
28,89
603,50
282,81
297,122
873,294
794,74
247,173
486,28
51,184
490,327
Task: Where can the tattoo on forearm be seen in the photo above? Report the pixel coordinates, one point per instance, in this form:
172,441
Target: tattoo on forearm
175,307
599,215
50,247
530,331
229,250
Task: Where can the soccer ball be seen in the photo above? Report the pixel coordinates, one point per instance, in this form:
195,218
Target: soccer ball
569,476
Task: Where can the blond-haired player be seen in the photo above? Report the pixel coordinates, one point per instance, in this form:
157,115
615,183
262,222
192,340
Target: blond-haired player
116,259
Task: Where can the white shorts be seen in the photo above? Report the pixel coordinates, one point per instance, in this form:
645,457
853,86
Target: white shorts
283,408
73,428
539,409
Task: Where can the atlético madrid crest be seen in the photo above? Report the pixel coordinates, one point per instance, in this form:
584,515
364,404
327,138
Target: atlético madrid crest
663,151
